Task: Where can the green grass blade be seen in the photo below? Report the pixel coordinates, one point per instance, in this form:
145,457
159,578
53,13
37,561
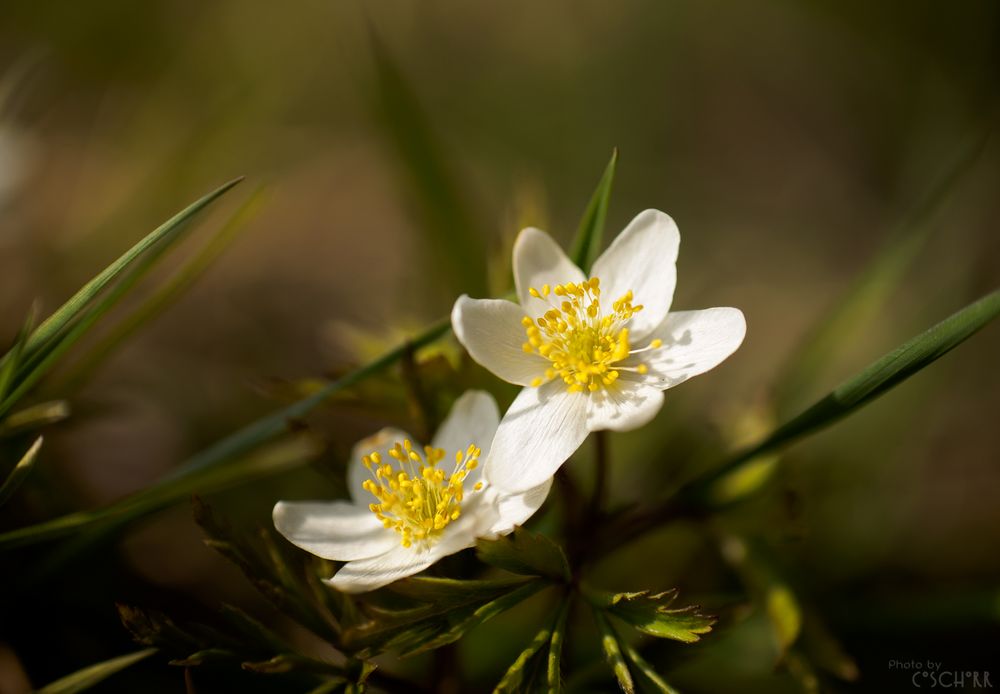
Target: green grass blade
879,377
447,223
34,417
12,359
166,295
50,351
871,290
553,664
165,234
589,235
213,460
649,679
613,652
84,679
20,472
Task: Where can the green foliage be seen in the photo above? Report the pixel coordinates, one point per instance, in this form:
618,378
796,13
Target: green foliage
648,679
537,668
613,653
587,243
526,553
652,614
20,472
84,679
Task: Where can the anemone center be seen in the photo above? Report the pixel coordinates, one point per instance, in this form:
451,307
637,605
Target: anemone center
415,497
583,342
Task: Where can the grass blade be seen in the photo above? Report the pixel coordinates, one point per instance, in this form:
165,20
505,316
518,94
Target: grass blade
212,461
553,668
166,295
12,359
587,244
84,679
613,652
879,377
164,234
649,679
871,290
20,472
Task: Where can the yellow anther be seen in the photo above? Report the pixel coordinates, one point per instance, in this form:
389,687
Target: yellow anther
656,344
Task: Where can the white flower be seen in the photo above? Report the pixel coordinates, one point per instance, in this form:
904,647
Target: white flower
595,353
410,505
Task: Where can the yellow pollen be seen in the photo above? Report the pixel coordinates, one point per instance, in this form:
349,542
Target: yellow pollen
584,344
417,498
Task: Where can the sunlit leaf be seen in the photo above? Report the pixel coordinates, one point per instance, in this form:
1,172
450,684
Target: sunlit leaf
589,235
613,653
522,674
652,613
878,378
84,679
553,669
34,417
648,679
11,361
20,472
164,234
526,553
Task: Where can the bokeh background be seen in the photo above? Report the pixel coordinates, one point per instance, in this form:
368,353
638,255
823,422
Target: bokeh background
401,147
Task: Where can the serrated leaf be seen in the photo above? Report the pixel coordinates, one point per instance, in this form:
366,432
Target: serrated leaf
873,381
651,613
20,472
613,653
587,243
84,679
526,553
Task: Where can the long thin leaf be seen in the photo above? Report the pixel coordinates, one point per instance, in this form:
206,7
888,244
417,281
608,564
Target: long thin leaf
879,377
553,665
12,359
20,472
587,244
613,652
173,289
870,291
165,233
212,460
649,679
84,679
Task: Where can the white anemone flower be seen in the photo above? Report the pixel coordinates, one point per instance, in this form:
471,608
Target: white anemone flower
594,353
411,505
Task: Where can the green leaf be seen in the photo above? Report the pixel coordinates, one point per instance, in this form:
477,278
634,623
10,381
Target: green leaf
34,417
587,243
785,615
553,670
84,679
613,653
444,592
166,295
164,234
651,613
520,675
51,340
525,553
878,378
865,299
20,472
431,626
12,359
648,679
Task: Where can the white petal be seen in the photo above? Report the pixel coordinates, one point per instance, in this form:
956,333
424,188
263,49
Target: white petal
627,405
491,330
399,562
337,530
357,473
693,343
642,258
515,509
542,428
473,419
538,260
368,574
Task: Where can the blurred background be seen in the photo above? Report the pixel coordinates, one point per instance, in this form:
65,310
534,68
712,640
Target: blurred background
401,146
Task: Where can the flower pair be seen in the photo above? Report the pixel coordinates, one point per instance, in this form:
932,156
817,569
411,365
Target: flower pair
592,353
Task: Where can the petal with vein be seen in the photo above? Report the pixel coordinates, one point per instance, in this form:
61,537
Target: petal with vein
335,530
642,258
357,473
693,343
538,260
626,406
491,330
515,509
